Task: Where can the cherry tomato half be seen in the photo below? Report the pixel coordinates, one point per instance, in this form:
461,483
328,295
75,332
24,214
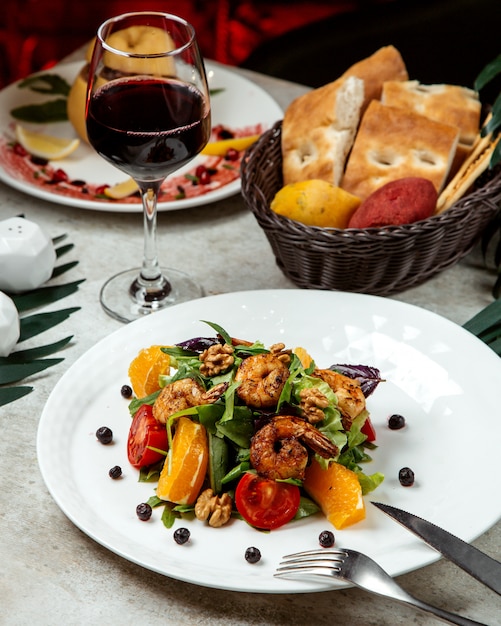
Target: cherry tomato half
368,430
146,431
266,503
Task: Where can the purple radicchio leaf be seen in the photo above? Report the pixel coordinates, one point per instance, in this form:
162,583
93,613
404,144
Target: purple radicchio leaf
198,344
368,377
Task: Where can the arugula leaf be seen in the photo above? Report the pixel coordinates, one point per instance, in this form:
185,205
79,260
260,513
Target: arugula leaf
169,516
136,403
306,508
220,330
369,482
240,428
236,472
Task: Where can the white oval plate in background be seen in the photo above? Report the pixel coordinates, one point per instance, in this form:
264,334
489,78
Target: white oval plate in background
239,104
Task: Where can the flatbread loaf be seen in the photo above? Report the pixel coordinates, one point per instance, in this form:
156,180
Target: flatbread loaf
449,104
386,64
394,143
318,131
319,127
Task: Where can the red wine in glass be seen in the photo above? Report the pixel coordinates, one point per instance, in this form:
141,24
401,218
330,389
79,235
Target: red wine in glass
158,126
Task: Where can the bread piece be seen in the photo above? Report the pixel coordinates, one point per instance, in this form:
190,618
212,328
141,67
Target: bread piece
386,64
318,131
394,143
475,164
449,104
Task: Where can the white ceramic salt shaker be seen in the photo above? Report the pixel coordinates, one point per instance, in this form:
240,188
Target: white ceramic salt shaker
9,325
27,255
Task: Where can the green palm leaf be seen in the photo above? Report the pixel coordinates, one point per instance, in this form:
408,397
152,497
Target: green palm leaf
486,325
14,372
26,356
39,322
10,394
44,295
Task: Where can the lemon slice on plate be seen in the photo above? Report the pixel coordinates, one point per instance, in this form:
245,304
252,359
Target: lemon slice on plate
220,148
45,146
121,190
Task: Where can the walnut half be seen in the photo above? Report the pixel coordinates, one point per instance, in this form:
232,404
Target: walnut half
312,402
216,359
215,509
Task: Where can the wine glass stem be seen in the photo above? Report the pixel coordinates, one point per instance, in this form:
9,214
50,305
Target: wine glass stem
150,270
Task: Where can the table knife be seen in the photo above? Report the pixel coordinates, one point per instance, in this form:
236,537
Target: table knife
479,565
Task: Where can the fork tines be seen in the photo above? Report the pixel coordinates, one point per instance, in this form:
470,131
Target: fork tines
324,562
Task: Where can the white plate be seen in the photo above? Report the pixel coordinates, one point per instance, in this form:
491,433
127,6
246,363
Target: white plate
433,368
240,105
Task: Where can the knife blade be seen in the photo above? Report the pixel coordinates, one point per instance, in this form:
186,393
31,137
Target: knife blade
476,563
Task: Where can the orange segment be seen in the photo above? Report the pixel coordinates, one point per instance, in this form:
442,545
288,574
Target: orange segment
303,356
338,493
184,470
145,369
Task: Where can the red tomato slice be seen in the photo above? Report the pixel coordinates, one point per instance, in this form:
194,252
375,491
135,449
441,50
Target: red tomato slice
266,503
146,431
368,430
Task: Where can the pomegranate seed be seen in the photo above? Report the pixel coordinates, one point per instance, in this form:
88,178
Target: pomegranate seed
200,170
59,176
19,150
231,155
204,178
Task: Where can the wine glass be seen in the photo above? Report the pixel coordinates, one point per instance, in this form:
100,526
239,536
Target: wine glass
147,113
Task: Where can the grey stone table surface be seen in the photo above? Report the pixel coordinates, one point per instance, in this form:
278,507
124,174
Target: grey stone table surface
51,573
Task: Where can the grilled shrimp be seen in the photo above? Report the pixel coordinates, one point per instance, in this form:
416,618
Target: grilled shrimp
351,399
278,451
262,378
183,394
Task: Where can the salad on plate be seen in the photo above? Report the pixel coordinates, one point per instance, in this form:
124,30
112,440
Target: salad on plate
230,428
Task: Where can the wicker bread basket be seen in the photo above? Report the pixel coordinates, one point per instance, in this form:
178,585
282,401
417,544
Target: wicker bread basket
379,261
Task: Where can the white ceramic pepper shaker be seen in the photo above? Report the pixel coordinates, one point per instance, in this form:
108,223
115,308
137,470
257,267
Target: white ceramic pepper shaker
27,255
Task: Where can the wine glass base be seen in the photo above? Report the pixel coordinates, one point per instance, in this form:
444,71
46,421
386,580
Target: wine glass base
117,301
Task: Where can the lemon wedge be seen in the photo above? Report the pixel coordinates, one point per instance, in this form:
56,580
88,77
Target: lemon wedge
220,148
121,190
45,146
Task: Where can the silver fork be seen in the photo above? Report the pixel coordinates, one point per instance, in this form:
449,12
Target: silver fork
362,571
